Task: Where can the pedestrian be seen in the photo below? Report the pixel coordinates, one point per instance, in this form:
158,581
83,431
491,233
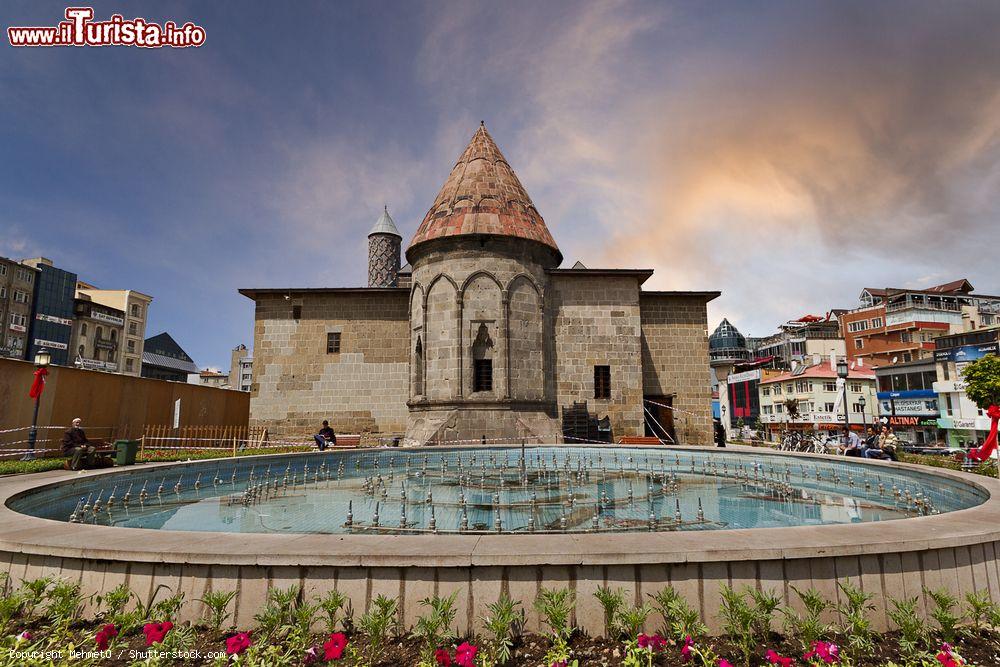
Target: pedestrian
77,448
325,437
720,434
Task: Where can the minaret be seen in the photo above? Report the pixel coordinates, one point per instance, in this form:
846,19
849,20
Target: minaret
384,244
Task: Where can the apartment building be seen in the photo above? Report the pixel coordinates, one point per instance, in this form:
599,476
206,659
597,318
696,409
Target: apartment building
908,402
799,340
810,398
964,423
893,325
135,306
17,291
240,369
51,324
98,332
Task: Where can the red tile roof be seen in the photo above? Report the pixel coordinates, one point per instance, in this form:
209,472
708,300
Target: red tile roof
823,371
483,196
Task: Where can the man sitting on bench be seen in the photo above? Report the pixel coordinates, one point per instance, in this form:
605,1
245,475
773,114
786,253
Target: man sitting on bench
325,437
77,448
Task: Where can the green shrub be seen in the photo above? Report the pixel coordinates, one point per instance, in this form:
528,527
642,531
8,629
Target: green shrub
434,630
503,624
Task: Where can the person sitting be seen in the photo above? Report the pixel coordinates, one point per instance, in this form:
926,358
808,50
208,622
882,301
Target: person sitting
77,448
854,445
325,437
885,448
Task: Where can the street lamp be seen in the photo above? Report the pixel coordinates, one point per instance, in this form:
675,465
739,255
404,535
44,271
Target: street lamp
842,372
42,360
864,417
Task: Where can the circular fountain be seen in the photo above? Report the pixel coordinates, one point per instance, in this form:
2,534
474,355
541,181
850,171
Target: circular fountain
486,519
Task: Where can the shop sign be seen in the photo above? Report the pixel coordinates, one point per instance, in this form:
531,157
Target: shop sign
94,365
911,421
745,376
105,344
52,318
104,317
910,407
51,344
966,352
18,328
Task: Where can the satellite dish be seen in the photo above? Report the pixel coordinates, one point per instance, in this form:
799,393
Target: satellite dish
894,359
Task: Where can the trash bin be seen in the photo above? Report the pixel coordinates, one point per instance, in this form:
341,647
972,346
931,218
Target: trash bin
125,451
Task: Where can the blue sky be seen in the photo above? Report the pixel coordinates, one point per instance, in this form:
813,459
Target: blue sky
788,154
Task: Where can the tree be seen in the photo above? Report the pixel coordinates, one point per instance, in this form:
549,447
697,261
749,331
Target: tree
982,381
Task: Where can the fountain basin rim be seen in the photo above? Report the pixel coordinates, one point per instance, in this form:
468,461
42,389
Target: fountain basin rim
28,535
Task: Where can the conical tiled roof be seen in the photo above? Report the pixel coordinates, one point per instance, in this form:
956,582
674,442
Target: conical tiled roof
385,225
483,196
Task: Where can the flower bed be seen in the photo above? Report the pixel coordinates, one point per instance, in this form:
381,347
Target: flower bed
42,622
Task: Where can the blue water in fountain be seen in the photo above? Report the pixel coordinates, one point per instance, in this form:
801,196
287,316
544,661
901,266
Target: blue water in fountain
486,490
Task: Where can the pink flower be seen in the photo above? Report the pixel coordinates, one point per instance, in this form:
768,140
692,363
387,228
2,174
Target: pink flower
465,655
724,663
442,657
774,659
155,632
686,651
238,643
333,648
949,658
24,636
311,656
828,652
105,635
561,663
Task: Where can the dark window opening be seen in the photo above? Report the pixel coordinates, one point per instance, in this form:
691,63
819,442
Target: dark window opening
333,343
602,381
482,376
296,312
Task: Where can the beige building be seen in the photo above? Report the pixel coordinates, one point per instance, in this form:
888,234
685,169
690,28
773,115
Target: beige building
210,378
17,286
135,305
817,396
98,332
488,339
240,369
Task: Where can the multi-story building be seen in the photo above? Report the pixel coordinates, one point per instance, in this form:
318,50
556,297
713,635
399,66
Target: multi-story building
210,378
240,369
811,398
17,290
98,332
898,325
52,306
965,423
798,340
164,359
907,400
135,305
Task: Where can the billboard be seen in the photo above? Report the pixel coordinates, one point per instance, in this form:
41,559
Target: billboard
966,352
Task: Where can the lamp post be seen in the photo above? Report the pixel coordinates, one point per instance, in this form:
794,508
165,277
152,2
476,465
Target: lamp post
42,360
864,417
842,372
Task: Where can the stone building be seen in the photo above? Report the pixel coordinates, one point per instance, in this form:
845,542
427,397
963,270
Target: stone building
482,335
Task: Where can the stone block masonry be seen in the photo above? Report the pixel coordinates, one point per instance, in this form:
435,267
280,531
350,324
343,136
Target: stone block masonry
675,360
298,383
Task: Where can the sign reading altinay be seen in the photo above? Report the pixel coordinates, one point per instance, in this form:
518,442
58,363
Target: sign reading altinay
481,335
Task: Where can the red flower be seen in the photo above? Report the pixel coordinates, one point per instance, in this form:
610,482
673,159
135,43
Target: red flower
333,648
155,632
774,659
949,658
686,651
828,652
105,635
442,657
238,643
465,655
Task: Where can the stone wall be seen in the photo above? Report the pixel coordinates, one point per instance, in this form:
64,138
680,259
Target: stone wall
297,384
675,360
595,321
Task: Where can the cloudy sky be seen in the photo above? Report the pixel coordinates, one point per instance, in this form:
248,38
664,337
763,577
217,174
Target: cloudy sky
788,154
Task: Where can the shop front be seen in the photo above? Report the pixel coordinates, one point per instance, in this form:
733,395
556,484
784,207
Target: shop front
912,414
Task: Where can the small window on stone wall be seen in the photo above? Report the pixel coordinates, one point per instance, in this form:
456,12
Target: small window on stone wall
602,381
296,312
333,342
482,376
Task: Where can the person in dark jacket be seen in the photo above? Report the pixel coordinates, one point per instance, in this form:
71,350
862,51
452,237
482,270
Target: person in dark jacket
720,434
325,437
77,448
